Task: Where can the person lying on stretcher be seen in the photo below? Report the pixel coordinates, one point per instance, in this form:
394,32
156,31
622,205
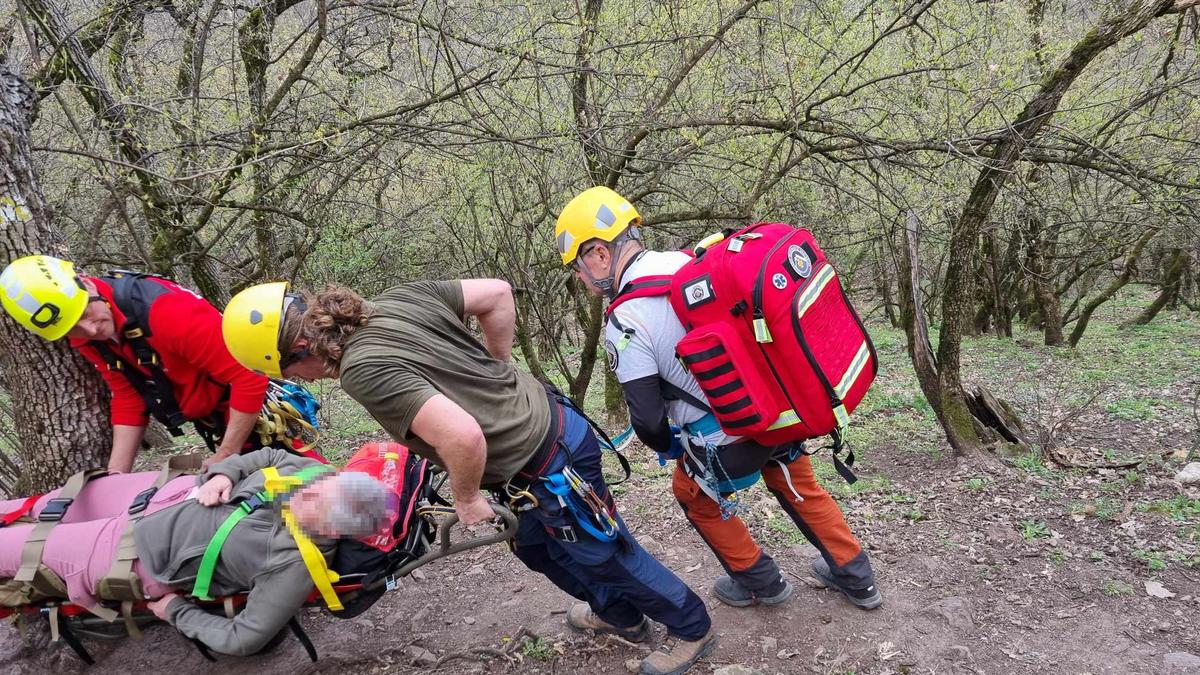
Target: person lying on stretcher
285,500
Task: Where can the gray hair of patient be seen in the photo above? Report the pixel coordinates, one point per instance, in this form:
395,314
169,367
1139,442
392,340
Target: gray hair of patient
358,504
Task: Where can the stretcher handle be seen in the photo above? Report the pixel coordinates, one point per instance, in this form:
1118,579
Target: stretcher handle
443,547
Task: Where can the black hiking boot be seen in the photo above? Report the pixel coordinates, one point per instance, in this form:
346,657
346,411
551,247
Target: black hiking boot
863,598
731,592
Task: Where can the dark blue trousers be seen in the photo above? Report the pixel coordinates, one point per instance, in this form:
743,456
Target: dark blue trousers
618,579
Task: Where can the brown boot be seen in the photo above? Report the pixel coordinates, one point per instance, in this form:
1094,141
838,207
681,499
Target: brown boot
676,656
582,618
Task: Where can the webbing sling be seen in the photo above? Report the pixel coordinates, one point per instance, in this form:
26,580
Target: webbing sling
208,563
51,514
25,507
314,561
120,582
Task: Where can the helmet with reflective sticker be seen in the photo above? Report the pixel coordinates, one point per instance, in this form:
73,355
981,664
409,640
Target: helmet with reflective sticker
43,294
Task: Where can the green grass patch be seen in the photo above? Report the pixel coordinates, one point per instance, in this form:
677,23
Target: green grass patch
1178,508
1155,560
1032,463
1115,588
1034,529
1132,409
537,649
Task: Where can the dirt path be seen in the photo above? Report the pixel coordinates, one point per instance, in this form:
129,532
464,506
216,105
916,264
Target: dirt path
965,591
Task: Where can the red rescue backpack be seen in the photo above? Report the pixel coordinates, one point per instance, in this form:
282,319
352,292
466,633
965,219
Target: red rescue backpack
772,339
402,474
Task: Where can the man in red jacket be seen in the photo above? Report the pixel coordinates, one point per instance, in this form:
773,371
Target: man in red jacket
158,346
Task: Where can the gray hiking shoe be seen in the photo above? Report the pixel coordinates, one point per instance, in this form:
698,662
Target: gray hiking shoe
582,618
863,598
731,592
676,656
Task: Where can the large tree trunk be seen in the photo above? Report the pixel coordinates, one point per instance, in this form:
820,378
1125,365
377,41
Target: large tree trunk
1170,289
964,235
60,405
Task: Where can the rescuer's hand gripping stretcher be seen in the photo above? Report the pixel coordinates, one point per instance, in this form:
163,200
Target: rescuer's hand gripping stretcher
245,544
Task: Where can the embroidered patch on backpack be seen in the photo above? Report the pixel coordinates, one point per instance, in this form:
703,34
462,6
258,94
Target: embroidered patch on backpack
698,292
779,281
799,264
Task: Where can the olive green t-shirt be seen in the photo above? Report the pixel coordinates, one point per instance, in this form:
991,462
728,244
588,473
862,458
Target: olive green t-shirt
416,346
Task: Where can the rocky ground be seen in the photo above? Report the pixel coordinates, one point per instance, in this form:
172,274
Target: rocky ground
1083,559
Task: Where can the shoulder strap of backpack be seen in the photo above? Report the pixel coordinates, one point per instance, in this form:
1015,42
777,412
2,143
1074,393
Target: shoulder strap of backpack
133,294
642,287
672,392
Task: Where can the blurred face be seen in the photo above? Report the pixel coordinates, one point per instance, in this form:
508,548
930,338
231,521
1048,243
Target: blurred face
97,321
310,506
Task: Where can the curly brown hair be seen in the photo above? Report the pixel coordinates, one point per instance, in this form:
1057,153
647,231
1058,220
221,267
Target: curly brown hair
332,315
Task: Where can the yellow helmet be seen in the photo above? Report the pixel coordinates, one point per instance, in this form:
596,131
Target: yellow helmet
596,213
43,294
251,325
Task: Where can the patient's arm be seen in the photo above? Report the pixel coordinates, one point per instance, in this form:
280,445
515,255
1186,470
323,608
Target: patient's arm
239,466
275,597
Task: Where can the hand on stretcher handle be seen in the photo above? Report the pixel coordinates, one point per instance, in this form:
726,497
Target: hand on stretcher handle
443,547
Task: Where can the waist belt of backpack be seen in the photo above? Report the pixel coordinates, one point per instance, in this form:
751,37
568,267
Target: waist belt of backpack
275,485
51,514
120,582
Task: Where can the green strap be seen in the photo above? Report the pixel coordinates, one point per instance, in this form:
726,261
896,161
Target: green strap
208,564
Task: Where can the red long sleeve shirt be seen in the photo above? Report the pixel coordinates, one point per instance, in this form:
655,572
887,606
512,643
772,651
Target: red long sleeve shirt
185,331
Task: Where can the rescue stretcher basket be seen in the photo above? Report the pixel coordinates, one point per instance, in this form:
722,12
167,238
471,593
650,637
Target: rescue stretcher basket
427,539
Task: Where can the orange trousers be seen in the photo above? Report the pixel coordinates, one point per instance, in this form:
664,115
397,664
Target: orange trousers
810,507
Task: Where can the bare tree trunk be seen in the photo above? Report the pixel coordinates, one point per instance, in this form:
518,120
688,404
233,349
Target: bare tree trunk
912,313
60,405
1117,284
883,286
614,400
1040,278
964,234
1170,289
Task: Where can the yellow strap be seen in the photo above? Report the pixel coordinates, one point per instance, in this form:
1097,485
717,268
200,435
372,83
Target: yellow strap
314,560
323,577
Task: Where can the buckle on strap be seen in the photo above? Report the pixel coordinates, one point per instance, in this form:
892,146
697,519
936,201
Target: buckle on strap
252,503
565,533
55,509
142,500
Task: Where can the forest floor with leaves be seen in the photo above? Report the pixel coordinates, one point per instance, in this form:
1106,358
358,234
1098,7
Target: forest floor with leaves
989,565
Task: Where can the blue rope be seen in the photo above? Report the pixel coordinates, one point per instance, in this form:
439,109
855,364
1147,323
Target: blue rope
732,505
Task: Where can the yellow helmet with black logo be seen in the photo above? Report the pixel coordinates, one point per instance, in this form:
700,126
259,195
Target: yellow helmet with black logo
596,213
250,326
43,294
